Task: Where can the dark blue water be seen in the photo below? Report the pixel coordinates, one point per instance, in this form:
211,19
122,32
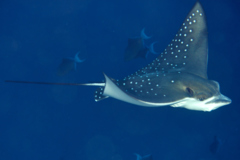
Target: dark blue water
64,123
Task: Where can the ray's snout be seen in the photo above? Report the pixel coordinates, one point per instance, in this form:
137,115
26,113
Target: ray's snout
221,99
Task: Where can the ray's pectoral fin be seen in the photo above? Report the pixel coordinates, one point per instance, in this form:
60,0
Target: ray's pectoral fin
195,35
188,50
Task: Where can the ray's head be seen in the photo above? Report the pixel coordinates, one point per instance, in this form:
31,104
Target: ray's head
205,97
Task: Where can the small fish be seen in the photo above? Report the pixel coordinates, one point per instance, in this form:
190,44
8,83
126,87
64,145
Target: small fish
68,64
214,147
147,157
137,48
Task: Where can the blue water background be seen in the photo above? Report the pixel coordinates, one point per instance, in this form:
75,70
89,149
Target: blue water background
65,123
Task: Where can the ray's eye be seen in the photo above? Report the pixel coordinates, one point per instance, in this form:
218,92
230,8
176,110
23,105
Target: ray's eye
189,91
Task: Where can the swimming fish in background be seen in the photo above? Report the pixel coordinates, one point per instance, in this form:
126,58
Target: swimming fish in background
176,78
68,64
147,157
215,145
137,48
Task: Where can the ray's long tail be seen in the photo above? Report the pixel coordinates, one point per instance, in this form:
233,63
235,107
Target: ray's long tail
54,83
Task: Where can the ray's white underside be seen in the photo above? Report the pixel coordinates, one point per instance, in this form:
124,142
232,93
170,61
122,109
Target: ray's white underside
112,90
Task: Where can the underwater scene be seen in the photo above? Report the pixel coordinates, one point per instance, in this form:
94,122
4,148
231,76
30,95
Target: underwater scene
119,80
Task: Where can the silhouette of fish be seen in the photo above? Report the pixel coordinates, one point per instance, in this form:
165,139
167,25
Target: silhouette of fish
137,48
147,157
214,147
68,64
177,77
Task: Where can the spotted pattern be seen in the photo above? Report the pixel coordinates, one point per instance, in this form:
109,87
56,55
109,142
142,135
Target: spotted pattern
98,95
149,83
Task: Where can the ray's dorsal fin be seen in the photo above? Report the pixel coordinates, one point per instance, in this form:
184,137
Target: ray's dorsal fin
188,51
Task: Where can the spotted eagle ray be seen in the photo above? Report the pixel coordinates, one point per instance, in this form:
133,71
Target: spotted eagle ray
137,48
177,77
68,64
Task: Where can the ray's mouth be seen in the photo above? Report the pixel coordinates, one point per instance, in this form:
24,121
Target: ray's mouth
220,99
